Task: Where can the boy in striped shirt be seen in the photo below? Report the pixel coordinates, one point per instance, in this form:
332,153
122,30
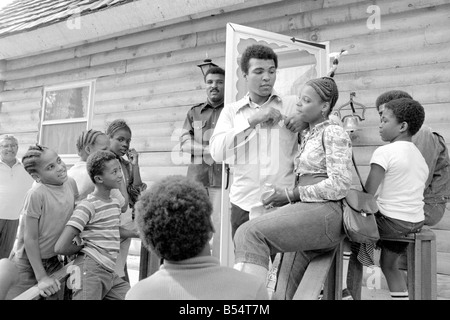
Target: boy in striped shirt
96,221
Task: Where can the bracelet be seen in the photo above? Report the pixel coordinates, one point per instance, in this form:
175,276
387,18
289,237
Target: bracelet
296,194
287,195
291,195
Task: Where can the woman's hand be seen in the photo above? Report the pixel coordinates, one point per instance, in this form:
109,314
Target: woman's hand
278,199
133,156
48,286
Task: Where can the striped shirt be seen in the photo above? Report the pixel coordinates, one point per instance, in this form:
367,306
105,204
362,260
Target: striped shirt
99,220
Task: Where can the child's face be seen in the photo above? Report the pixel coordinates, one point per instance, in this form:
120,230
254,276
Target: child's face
390,128
120,142
101,143
112,175
51,169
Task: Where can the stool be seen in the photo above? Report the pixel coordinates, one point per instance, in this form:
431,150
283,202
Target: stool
421,264
326,270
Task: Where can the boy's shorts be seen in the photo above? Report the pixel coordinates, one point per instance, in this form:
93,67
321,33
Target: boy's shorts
93,282
394,228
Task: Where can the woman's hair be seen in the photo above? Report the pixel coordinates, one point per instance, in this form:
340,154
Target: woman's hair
326,88
257,51
116,125
409,111
95,163
31,158
391,95
174,218
87,138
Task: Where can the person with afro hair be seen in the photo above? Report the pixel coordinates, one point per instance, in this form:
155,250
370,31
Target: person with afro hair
174,221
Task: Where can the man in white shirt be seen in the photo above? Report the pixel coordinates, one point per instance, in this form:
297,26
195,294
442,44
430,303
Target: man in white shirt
14,184
251,136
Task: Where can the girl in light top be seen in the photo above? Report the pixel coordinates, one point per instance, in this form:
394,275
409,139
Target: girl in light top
48,206
119,134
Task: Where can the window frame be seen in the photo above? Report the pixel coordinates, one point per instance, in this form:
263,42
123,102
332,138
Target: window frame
70,158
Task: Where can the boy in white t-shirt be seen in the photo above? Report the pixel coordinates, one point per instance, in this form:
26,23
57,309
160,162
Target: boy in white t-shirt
397,177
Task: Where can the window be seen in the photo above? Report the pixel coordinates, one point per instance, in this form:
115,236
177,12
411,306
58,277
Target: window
66,112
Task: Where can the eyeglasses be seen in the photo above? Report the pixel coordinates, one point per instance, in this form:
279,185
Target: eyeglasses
7,146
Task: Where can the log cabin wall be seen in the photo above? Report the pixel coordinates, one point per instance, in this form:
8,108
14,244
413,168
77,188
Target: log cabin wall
150,78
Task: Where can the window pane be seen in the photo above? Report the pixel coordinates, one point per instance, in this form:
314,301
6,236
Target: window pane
62,137
66,103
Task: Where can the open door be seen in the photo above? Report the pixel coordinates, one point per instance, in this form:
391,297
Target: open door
298,61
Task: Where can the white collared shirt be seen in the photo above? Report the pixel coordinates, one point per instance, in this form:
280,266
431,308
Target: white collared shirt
260,155
14,184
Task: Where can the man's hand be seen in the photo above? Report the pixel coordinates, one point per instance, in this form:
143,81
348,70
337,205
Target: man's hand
48,286
268,116
295,123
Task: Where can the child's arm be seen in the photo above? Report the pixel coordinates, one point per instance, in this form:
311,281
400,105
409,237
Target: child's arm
127,233
376,175
134,159
65,244
47,285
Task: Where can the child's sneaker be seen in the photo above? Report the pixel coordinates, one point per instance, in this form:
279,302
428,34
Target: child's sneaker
346,295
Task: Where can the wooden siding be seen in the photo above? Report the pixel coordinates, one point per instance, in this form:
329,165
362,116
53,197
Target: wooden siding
150,77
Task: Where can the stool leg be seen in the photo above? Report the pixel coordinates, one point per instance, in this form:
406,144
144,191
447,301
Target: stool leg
333,283
429,276
411,270
418,269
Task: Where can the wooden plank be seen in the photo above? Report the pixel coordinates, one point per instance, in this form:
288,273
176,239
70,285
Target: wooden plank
443,263
390,42
150,48
148,75
33,292
369,136
32,93
394,21
144,116
427,54
395,77
157,173
148,89
21,105
154,101
425,93
69,76
52,67
176,57
20,121
165,159
434,113
442,240
39,59
314,277
443,287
